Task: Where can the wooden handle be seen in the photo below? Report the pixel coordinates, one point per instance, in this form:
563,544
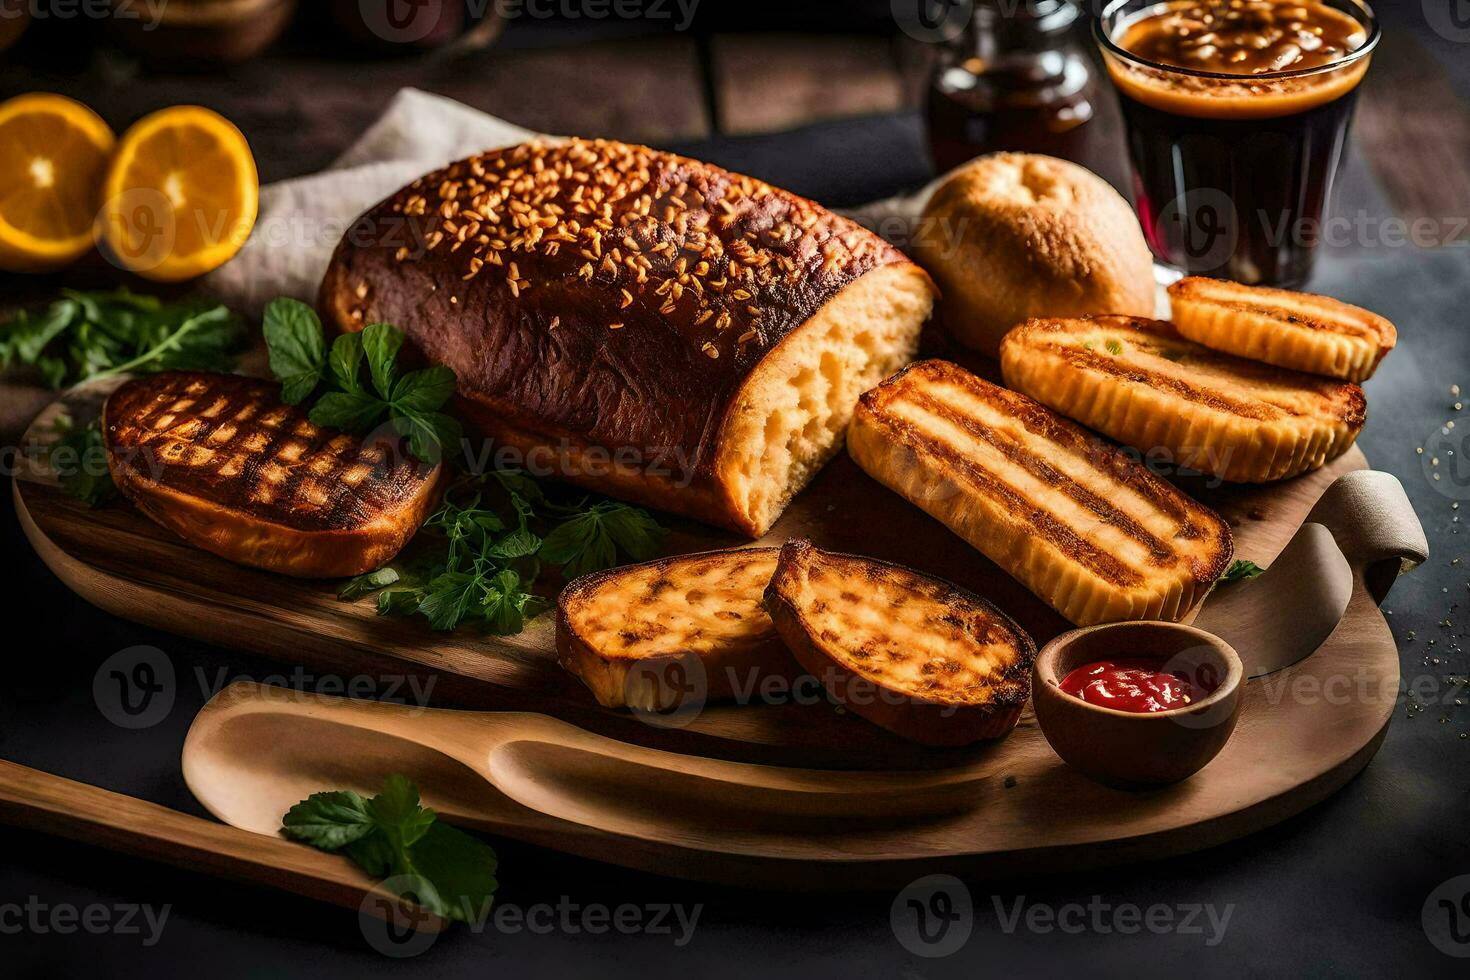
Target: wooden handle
1374,524
53,804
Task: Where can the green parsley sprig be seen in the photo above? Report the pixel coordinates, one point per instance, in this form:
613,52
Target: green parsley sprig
393,836
85,336
480,554
351,402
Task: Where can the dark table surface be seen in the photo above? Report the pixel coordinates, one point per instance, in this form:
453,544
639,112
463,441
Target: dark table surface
1339,890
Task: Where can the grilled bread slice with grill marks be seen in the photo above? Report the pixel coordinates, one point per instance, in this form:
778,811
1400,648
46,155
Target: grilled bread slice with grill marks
630,633
1143,384
913,654
1089,530
1299,331
221,461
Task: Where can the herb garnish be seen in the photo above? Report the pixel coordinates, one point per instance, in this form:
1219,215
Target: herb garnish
1240,571
445,870
79,459
481,552
300,361
89,335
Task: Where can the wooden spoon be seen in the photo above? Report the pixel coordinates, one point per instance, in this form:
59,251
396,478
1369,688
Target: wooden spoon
254,751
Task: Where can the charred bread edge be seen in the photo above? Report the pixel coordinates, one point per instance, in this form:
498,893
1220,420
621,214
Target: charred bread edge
578,657
333,554
918,719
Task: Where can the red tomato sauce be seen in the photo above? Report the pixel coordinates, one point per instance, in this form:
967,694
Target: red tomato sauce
1134,684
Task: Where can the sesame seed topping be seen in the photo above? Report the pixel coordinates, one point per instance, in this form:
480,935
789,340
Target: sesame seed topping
637,219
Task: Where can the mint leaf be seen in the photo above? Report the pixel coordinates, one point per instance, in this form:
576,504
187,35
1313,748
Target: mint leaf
398,813
445,870
293,338
349,411
346,361
460,872
1240,571
381,342
421,392
429,434
329,821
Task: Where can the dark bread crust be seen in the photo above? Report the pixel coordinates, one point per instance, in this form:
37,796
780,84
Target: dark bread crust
600,295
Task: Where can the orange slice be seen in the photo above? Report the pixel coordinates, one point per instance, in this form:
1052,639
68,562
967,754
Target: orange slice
181,195
53,153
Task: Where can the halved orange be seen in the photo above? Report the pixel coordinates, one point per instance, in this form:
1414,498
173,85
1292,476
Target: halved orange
181,195
53,154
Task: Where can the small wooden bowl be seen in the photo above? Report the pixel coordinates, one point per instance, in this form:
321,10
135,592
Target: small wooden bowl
1132,749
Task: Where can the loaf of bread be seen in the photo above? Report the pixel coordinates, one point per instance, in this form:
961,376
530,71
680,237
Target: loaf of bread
639,323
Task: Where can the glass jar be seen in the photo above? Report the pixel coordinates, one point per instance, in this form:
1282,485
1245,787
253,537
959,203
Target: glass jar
1015,79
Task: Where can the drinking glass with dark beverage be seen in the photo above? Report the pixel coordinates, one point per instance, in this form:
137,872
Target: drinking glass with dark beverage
1237,114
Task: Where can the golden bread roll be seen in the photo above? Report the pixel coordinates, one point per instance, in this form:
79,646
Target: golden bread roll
1087,528
639,323
1014,235
620,630
1301,331
913,654
1140,382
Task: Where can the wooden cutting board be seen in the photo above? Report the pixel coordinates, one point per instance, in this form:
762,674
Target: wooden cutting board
119,560
1292,747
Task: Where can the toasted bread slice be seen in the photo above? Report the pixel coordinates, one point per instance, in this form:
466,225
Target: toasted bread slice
222,462
915,655
620,629
1141,383
1089,530
1300,331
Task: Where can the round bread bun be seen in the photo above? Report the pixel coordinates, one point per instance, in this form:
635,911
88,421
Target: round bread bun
1015,235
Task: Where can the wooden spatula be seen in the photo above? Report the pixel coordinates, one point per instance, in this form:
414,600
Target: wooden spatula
52,804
